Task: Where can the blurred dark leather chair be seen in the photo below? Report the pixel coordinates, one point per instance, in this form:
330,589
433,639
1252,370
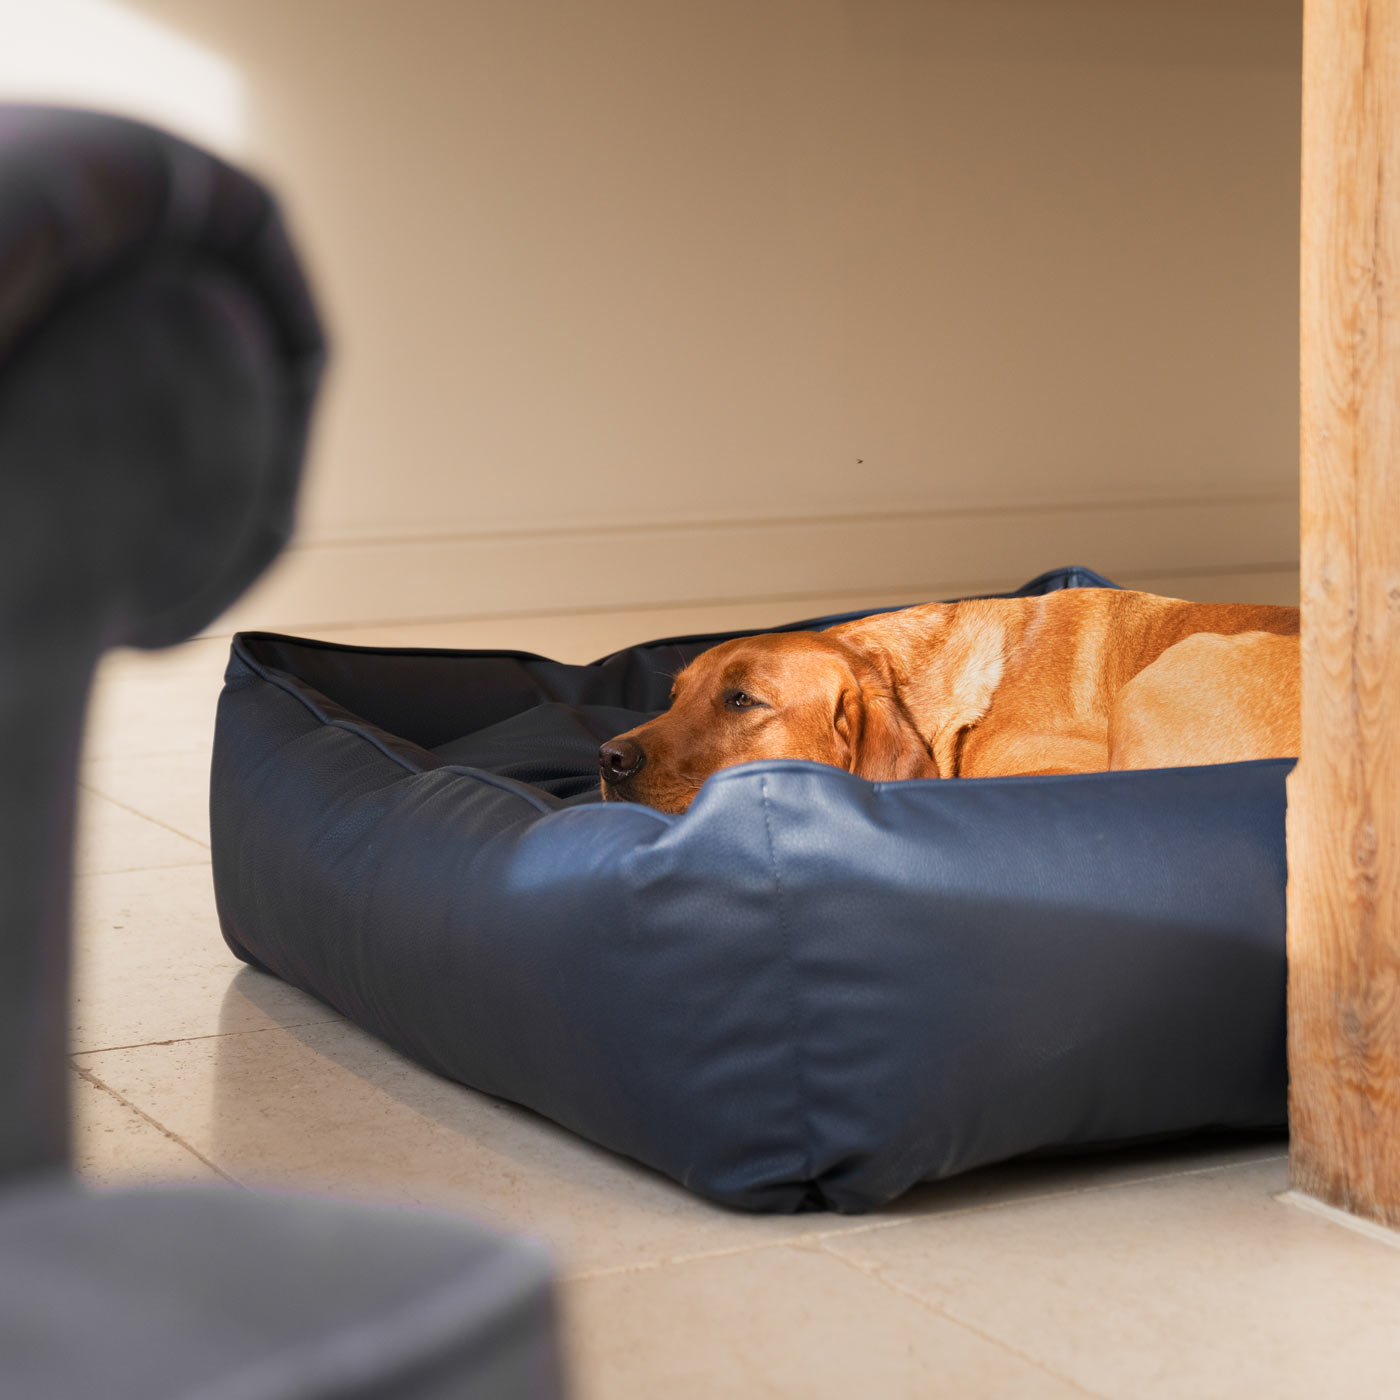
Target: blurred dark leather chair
159,355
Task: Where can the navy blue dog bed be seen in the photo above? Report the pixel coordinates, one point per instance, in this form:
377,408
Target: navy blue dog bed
809,990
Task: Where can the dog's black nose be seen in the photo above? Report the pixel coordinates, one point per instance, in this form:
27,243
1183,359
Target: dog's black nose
621,758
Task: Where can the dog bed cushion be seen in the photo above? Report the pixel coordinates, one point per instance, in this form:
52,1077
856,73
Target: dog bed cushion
809,990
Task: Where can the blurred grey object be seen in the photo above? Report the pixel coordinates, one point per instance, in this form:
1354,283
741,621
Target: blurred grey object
159,356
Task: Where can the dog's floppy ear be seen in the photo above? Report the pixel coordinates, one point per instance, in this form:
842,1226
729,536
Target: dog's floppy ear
848,724
875,740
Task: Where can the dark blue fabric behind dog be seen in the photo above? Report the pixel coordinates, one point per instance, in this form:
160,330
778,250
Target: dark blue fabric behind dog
809,990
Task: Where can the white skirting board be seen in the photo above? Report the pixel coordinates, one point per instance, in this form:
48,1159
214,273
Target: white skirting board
885,558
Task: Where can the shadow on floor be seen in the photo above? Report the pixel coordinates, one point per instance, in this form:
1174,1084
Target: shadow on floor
537,1143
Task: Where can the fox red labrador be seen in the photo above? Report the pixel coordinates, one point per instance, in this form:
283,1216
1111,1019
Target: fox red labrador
1075,681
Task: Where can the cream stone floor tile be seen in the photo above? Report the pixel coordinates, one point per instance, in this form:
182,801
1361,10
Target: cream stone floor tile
206,654
1189,1287
152,703
112,837
779,1321
327,1107
151,965
169,788
114,1145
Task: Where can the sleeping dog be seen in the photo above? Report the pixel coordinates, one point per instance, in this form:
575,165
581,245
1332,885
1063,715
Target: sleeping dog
1076,681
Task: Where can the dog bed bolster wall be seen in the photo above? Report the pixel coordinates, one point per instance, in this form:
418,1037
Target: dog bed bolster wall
809,990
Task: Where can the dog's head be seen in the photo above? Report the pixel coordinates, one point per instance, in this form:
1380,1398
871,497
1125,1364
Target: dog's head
780,695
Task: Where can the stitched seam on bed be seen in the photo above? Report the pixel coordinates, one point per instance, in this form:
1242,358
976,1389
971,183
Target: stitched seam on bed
320,644
794,1026
480,774
276,678
493,780
273,678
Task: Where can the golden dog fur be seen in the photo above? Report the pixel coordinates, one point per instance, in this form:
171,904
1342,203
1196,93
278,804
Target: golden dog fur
1074,681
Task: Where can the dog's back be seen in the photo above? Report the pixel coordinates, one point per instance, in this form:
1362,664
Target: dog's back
1031,685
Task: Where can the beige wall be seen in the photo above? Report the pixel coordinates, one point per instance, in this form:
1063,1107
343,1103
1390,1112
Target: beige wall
638,301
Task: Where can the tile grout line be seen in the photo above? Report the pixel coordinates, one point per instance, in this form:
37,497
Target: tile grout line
165,1132
818,1242
820,1237
645,1266
145,816
141,869
842,1232
803,1239
877,1276
331,1019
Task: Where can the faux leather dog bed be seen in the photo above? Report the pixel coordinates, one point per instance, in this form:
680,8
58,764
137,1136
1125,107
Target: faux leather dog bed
808,990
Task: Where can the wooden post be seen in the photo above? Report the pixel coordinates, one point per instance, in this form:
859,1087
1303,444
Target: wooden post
1344,796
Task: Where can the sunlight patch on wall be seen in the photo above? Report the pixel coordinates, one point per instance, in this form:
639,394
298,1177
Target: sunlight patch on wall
99,54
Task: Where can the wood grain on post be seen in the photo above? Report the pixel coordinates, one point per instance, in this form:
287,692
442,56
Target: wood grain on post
1344,796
